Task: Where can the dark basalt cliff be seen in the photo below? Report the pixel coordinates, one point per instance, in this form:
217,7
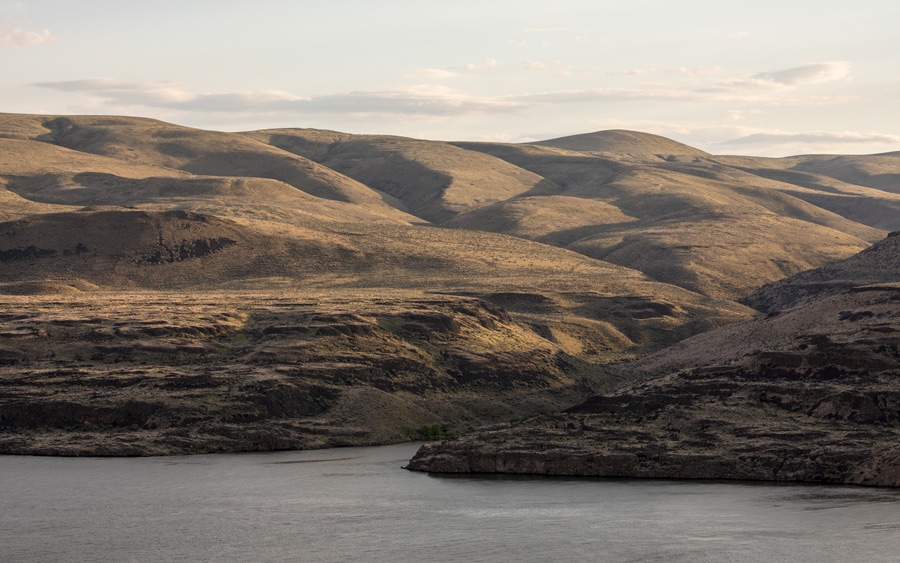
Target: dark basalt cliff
132,374
819,401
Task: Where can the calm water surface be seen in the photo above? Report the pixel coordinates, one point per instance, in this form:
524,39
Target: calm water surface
357,504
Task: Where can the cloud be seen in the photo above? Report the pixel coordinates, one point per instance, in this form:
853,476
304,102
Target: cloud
784,143
674,94
103,84
113,95
18,37
604,95
417,100
147,93
845,137
807,74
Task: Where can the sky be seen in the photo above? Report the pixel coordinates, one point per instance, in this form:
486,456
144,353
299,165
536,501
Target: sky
768,78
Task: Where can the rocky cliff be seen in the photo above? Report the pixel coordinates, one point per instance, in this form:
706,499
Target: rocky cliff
812,394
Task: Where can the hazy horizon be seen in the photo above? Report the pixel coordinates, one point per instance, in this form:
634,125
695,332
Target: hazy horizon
768,79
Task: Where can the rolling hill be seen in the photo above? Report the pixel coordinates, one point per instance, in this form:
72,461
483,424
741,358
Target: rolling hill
341,278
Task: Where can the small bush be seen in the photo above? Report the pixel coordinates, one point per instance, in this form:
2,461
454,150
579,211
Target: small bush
433,432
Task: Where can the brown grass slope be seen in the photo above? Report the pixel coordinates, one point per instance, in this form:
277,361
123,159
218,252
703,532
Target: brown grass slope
622,144
810,394
681,220
433,180
879,171
45,173
822,187
711,228
598,310
161,145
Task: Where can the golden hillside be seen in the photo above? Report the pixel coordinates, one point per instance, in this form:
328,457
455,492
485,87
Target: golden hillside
337,278
432,180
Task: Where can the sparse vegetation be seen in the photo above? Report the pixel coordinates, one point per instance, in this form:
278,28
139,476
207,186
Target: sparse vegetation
298,288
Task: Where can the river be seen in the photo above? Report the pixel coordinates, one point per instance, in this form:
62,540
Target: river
357,504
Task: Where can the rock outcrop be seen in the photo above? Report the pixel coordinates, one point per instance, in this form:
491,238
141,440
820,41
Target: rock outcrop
131,374
811,395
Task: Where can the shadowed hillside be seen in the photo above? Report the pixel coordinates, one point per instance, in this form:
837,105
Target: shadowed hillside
810,394
435,181
692,222
303,288
721,226
149,143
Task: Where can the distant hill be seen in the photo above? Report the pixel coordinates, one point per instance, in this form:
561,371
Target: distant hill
621,143
705,226
720,226
875,266
432,180
140,148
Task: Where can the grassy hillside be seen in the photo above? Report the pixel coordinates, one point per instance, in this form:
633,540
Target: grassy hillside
142,148
720,226
432,180
705,226
366,275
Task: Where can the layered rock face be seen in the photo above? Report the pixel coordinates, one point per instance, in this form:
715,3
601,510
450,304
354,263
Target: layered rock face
151,373
811,394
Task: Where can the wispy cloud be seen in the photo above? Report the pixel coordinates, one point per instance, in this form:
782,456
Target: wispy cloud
631,72
784,143
20,37
816,73
778,88
815,137
675,94
416,100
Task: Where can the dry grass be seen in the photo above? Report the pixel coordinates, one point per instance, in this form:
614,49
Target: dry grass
721,226
433,180
599,248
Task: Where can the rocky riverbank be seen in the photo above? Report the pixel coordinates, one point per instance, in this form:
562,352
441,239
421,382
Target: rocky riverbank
819,401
